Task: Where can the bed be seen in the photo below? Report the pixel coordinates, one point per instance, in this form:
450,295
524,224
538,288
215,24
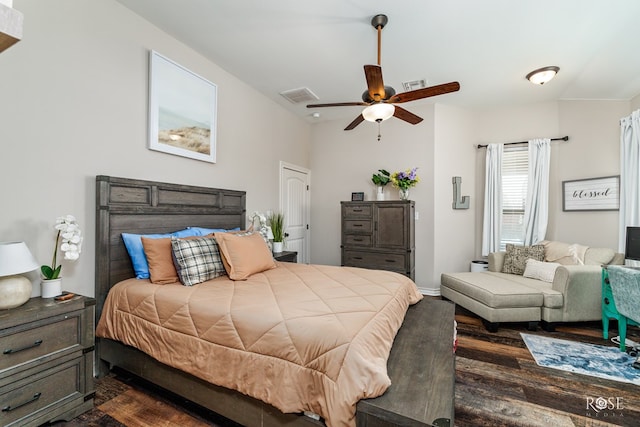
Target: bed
421,392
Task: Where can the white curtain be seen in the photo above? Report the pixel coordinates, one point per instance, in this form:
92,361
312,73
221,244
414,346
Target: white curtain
492,222
536,208
629,175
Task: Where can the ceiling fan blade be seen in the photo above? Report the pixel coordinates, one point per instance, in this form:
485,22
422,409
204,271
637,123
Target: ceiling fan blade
355,123
337,104
426,92
375,84
407,116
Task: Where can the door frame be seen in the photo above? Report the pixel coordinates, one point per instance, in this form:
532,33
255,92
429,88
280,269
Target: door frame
286,165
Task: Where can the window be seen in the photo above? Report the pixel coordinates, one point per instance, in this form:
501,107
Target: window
514,194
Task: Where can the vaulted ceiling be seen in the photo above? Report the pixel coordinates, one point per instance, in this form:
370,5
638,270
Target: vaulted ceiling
486,45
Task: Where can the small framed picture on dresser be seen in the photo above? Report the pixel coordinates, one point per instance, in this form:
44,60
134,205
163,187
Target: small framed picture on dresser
357,197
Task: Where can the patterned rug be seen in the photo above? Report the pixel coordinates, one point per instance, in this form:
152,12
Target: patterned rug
581,358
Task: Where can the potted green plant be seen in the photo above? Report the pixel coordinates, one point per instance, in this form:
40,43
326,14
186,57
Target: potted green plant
276,222
380,179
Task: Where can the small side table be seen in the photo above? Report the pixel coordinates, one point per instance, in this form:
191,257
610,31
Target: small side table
286,256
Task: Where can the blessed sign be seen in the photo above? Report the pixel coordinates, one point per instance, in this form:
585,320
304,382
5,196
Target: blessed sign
595,194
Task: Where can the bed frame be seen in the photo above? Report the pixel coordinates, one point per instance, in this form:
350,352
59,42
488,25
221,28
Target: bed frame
421,363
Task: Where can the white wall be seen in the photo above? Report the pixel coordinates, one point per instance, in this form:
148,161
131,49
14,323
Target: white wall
343,162
443,146
74,105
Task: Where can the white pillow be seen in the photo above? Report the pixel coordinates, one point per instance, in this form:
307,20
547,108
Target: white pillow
544,271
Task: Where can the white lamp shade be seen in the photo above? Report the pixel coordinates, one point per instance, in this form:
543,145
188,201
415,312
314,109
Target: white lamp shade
378,112
15,258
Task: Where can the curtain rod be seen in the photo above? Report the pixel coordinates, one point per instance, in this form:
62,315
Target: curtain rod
564,138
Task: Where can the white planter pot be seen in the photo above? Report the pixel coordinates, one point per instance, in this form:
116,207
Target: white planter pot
379,193
278,247
51,288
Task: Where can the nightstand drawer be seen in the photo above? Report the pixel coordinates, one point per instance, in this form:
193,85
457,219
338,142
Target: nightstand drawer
357,240
381,261
20,346
24,398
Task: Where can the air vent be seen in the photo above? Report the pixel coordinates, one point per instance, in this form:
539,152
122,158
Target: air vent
415,84
299,95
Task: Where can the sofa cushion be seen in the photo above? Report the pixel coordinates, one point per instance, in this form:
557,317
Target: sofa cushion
497,290
517,256
551,298
598,256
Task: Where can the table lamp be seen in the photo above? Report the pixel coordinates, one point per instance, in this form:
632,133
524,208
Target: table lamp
15,259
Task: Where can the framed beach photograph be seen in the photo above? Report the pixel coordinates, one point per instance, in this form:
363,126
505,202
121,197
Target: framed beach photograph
182,111
594,194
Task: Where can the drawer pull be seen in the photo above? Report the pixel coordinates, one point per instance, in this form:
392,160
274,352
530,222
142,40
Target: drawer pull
357,210
390,260
11,350
357,225
357,240
357,257
10,408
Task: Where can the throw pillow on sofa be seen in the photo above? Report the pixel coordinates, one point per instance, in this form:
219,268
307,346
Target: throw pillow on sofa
544,271
516,257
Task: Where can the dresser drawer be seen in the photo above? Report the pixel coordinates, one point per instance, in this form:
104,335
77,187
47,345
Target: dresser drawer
26,398
380,261
23,344
358,226
357,240
357,211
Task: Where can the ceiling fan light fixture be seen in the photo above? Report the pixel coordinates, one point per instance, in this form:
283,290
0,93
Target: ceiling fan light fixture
378,112
543,75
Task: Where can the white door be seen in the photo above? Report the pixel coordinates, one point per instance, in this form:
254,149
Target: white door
294,203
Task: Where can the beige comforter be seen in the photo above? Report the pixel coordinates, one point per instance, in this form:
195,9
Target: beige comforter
300,337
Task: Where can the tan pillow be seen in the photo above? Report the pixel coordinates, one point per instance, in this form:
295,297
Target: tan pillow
160,260
244,254
159,255
544,271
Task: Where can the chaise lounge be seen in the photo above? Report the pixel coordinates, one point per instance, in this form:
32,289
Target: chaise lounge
562,285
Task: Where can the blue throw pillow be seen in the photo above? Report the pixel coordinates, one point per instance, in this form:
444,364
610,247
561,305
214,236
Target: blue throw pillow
133,243
204,231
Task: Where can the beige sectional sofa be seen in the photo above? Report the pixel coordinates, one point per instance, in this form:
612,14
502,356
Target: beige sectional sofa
573,295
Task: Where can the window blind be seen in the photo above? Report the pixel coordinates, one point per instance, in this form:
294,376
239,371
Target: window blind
514,194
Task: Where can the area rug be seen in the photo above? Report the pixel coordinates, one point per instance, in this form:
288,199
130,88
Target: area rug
587,359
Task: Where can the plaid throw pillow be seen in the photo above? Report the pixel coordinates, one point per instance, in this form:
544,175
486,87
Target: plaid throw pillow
197,260
516,258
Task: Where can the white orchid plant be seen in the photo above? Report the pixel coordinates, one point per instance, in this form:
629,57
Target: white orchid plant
68,240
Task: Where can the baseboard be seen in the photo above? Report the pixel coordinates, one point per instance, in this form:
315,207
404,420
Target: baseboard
430,292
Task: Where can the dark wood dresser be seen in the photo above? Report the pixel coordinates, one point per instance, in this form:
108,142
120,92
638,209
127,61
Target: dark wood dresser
379,235
46,364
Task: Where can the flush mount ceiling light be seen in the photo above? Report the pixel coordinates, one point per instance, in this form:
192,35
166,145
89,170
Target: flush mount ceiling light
542,75
378,112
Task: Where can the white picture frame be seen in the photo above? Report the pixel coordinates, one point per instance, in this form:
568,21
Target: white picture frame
182,110
593,194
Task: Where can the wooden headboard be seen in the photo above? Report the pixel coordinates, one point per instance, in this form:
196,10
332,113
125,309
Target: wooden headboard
143,207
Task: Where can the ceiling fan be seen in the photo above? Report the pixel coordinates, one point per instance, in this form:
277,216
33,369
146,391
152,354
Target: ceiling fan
379,99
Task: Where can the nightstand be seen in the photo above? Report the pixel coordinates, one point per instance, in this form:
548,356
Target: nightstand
46,365
286,256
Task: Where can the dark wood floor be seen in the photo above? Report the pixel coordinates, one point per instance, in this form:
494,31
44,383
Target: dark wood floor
497,384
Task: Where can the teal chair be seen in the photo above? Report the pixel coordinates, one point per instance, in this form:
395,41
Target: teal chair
625,286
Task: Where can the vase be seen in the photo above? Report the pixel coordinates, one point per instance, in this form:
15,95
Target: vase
278,247
51,288
404,193
379,193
